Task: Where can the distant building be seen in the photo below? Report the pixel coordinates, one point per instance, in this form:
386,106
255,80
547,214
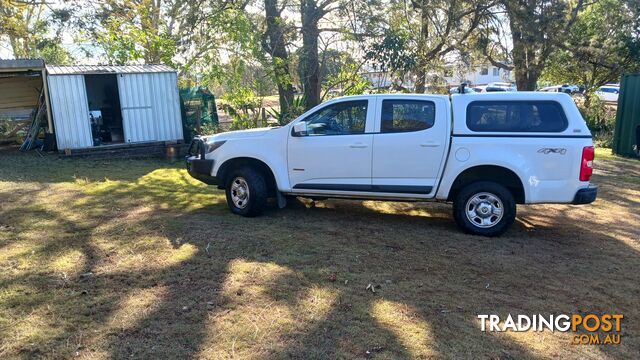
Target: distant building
478,76
383,80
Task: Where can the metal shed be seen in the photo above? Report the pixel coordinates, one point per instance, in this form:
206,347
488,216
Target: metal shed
113,105
626,138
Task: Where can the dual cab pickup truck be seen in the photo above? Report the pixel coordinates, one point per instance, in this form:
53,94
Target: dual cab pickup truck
485,153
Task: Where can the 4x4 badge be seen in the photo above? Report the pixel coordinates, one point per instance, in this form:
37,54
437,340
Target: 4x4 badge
560,151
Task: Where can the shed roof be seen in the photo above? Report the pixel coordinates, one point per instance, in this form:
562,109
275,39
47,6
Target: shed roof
107,69
21,65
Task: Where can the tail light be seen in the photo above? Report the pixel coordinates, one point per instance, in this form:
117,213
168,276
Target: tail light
586,165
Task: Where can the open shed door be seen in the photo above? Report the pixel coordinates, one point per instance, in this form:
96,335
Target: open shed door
166,106
136,102
70,111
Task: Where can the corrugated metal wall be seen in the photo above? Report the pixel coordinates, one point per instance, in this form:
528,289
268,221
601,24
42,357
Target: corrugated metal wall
150,108
68,96
626,139
137,113
166,106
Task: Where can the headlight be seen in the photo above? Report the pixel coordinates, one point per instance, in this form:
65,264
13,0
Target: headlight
214,145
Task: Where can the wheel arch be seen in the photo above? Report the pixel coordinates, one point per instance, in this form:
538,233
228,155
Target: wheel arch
496,173
234,163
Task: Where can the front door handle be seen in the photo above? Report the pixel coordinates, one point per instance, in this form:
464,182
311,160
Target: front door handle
358,146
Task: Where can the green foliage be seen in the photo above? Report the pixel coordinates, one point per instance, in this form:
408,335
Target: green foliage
209,129
349,81
296,109
394,54
602,45
31,29
134,31
600,118
244,107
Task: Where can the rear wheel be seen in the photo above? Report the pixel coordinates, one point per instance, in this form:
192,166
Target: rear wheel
484,208
246,191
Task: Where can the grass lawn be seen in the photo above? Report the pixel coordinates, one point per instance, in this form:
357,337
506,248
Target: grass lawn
115,259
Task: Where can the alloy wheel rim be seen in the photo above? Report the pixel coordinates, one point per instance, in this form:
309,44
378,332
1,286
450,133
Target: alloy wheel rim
484,210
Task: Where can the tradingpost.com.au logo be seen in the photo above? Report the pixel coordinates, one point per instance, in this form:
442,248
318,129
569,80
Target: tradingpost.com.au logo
589,329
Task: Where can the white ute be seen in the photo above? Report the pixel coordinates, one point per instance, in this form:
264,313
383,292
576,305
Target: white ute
485,153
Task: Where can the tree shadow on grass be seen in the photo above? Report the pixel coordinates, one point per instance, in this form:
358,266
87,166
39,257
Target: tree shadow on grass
292,284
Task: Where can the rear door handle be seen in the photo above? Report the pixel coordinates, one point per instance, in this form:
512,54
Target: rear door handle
430,144
358,146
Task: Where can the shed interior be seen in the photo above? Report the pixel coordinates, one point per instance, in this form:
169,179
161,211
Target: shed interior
19,99
104,108
24,114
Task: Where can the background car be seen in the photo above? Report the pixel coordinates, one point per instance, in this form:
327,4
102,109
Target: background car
555,88
608,93
456,90
495,89
502,85
565,88
570,89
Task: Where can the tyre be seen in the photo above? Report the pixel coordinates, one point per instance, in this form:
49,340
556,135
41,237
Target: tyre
484,208
246,191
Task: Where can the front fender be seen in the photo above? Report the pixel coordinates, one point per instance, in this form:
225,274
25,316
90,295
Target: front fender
254,148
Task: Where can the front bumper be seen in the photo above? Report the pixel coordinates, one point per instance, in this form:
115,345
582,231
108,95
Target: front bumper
586,195
198,166
201,169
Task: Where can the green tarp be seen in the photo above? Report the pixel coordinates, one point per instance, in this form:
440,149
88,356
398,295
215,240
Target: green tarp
198,106
626,138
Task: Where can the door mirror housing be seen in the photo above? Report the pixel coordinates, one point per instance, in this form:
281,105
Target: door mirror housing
300,129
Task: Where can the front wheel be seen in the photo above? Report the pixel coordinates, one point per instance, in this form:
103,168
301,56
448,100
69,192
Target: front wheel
484,208
246,191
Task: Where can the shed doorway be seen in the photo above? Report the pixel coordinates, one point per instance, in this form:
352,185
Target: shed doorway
105,114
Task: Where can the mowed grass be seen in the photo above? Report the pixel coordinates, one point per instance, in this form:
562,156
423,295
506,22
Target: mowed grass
134,259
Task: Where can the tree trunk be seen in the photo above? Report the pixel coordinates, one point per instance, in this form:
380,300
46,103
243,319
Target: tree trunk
526,76
535,35
280,58
421,66
310,64
527,70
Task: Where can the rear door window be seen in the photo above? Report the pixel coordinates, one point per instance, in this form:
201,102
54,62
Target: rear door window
516,116
407,115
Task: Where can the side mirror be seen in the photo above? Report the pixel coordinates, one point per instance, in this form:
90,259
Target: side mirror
300,129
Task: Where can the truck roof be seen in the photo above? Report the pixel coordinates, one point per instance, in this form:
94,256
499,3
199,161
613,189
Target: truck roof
515,95
507,95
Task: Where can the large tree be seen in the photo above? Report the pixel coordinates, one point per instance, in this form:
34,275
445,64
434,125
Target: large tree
33,29
274,43
183,33
444,26
311,12
350,19
420,34
537,28
603,44
133,30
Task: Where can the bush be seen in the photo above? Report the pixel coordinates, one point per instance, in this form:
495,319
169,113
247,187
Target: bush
243,105
600,118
